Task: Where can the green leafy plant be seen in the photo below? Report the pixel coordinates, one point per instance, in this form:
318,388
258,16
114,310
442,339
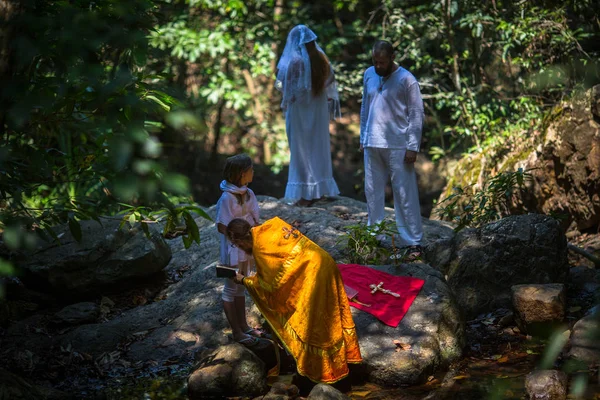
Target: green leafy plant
472,207
80,121
178,221
363,242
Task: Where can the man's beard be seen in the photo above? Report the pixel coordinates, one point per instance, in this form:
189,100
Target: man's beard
383,73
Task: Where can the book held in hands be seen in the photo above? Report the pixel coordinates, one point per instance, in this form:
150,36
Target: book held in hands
225,271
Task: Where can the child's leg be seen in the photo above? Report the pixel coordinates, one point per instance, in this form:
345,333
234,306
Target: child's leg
240,298
230,308
240,308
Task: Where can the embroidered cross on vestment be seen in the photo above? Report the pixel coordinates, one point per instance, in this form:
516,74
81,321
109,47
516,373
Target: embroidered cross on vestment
292,232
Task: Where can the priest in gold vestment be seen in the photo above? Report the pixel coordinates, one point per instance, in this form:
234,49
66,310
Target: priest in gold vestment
299,290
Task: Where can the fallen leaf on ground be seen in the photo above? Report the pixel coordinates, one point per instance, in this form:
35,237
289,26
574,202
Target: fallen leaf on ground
105,301
401,346
363,393
503,359
139,300
171,361
458,377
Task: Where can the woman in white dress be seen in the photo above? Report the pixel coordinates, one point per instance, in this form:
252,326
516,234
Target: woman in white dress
309,100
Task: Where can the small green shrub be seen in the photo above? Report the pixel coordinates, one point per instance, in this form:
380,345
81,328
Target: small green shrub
473,208
363,245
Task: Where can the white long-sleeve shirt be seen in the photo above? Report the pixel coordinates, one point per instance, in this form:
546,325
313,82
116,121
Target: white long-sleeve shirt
391,114
229,207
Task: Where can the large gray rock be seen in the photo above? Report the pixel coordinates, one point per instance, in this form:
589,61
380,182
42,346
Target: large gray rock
322,391
538,304
282,391
230,370
106,256
566,164
546,385
13,387
585,339
432,333
187,316
79,313
585,281
487,262
563,160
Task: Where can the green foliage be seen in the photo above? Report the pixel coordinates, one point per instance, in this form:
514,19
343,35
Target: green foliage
363,245
476,207
80,116
488,69
173,219
90,90
227,45
6,269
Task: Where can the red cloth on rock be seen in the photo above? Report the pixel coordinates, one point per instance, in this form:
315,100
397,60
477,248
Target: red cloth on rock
388,309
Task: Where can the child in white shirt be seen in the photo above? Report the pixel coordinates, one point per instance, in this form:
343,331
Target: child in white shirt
237,201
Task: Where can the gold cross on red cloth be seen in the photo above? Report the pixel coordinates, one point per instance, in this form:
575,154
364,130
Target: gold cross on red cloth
379,288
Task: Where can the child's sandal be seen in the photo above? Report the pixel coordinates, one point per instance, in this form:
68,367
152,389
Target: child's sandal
414,253
258,333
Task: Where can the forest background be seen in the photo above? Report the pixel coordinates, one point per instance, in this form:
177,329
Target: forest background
128,108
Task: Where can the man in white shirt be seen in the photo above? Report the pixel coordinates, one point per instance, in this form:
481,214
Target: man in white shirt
391,122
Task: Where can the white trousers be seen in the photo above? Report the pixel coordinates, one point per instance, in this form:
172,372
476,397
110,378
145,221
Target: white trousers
381,166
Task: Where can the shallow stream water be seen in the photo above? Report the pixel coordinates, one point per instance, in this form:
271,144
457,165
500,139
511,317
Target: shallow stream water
481,375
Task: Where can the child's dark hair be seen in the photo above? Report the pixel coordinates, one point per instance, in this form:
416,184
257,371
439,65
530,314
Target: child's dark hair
235,166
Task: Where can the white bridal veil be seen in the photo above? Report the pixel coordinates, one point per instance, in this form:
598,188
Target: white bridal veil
293,72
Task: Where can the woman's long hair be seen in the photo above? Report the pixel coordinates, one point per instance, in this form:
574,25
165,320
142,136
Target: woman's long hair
319,68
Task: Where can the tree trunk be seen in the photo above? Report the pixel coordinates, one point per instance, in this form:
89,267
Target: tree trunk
8,10
217,131
269,115
447,4
279,4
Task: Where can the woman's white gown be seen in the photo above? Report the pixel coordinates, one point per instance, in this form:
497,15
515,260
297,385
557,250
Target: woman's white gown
307,127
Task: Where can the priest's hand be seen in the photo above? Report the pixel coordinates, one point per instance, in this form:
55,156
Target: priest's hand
410,157
239,278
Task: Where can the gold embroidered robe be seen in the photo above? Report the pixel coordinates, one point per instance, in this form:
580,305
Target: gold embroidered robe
299,290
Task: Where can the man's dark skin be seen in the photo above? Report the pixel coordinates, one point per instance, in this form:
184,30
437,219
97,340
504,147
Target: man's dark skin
384,66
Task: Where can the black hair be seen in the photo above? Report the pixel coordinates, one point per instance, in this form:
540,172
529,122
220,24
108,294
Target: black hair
383,46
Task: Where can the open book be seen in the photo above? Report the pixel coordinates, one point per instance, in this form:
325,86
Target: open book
224,271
